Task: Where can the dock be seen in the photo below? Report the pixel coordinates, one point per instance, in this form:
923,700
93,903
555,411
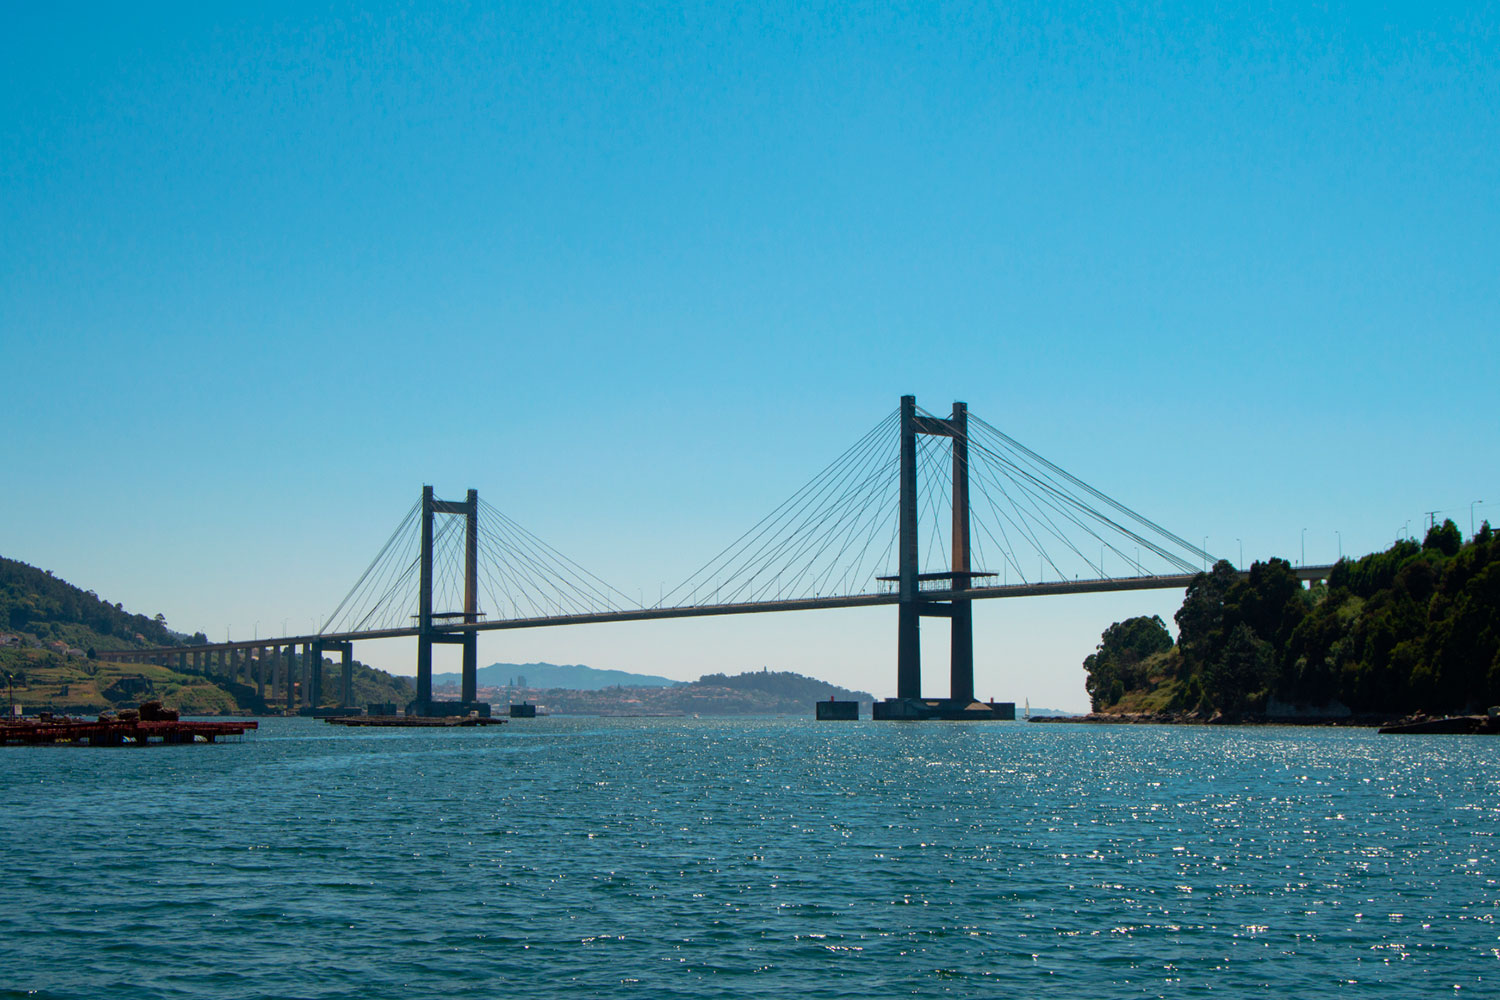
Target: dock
115,732
414,721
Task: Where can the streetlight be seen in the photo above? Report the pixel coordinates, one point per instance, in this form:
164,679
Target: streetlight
1242,553
1472,505
1138,568
1205,553
1341,544
1304,548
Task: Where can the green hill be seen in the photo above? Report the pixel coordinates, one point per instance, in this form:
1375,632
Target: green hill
1413,628
49,630
784,685
35,603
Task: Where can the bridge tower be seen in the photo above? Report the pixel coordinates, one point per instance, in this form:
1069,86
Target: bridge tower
427,634
912,606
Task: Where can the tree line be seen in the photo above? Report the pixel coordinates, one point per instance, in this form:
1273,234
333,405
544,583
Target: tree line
33,600
1416,627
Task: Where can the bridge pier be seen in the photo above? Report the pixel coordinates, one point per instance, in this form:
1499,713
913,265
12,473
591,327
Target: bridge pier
315,678
427,634
912,607
308,651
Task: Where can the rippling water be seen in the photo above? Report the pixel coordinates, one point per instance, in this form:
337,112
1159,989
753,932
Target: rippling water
698,858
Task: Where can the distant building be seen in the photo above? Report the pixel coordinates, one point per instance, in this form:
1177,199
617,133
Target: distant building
6,639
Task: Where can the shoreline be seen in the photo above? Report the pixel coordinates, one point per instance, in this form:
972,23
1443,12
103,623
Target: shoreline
1412,723
1196,719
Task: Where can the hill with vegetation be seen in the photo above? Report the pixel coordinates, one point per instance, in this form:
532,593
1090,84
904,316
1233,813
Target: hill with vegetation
762,692
1413,628
574,676
35,603
51,630
785,685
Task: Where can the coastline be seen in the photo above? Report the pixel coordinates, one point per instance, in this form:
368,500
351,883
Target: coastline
1199,719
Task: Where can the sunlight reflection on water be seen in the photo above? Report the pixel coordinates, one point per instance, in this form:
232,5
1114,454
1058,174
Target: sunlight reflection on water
695,858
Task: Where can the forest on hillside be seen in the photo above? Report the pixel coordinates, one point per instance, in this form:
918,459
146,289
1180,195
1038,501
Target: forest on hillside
1416,627
784,684
35,602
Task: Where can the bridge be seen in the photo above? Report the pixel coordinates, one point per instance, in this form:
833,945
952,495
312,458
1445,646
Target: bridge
980,498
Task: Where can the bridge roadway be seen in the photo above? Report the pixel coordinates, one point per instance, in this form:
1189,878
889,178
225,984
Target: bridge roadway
1175,581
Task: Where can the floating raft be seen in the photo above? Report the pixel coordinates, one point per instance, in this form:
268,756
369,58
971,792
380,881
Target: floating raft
116,733
413,721
1459,724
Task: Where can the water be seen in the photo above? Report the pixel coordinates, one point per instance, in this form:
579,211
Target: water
698,858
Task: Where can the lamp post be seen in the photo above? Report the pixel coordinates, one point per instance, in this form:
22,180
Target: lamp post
1341,544
1205,553
1242,553
1472,505
10,687
1304,548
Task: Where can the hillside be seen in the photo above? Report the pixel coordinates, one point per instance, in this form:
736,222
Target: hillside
763,692
785,685
33,602
51,628
573,676
1413,628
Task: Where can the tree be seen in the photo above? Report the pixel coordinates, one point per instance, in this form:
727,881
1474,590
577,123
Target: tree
1239,677
1118,665
1200,620
1444,537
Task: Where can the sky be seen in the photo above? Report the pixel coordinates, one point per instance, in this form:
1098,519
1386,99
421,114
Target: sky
637,272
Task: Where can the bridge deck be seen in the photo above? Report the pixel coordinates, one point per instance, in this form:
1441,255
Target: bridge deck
1176,581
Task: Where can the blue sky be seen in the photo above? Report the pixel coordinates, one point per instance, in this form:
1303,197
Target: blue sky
637,273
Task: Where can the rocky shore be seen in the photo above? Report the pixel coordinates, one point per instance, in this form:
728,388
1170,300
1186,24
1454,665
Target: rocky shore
1416,723
1185,718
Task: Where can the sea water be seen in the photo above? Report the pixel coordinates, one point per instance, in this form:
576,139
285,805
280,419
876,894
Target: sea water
753,858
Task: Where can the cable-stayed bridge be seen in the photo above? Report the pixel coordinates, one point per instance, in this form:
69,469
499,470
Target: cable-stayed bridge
929,513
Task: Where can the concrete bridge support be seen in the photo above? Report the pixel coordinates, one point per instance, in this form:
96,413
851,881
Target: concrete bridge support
427,635
912,607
